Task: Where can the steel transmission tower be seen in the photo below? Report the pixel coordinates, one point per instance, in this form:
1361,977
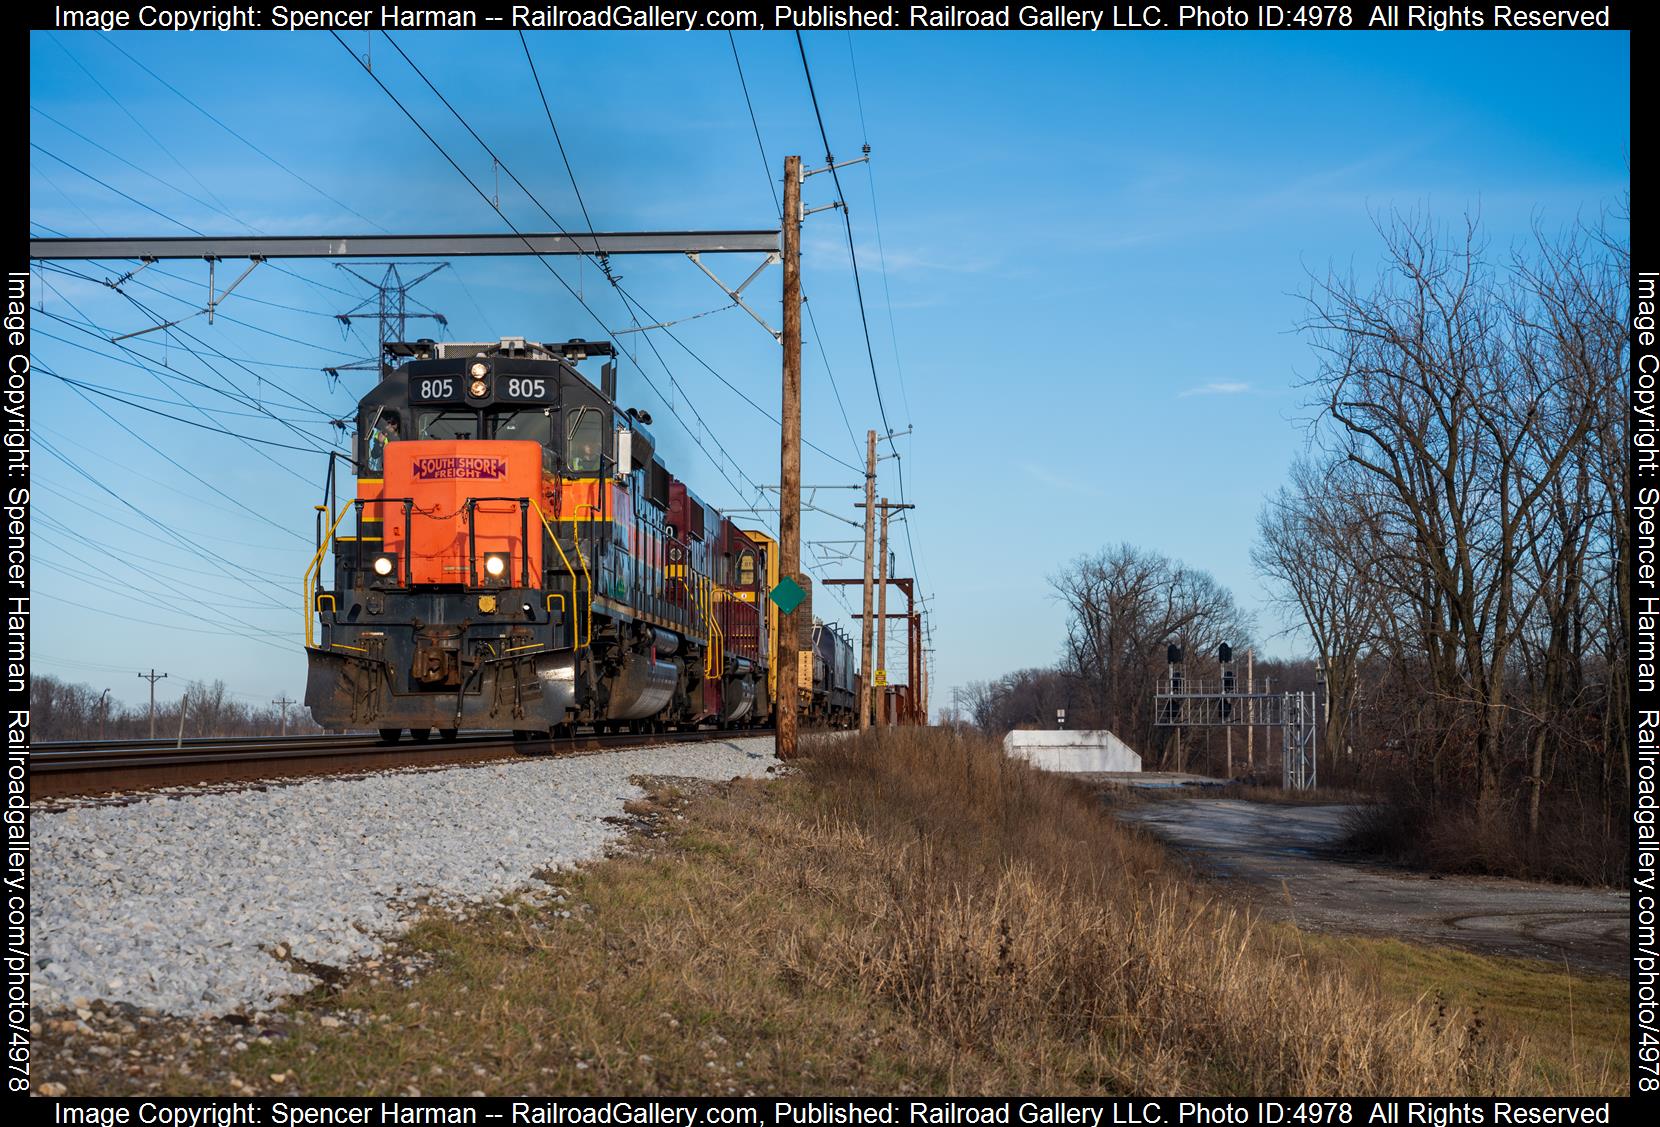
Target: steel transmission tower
389,307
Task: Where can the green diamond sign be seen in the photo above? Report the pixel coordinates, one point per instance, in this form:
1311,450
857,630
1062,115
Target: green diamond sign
787,595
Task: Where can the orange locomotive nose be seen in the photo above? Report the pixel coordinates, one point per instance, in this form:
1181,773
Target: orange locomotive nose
468,523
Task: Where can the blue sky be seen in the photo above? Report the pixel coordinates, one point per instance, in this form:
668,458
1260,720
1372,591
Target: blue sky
1082,292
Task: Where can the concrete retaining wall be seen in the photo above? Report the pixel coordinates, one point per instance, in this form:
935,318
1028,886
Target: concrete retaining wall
1069,751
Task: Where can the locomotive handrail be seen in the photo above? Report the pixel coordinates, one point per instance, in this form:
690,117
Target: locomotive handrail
576,639
311,570
714,654
576,543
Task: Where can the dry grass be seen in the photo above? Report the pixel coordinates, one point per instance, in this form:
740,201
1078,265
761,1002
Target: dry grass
1315,796
1572,1031
1571,847
1015,915
909,914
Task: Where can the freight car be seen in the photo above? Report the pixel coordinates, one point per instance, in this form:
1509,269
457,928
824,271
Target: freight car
834,700
828,696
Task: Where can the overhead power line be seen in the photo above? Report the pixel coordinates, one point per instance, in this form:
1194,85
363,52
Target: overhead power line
852,251
858,285
112,188
239,394
766,165
199,109
818,337
496,206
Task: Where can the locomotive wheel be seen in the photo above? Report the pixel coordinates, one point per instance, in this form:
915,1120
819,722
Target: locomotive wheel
448,735
390,735
420,735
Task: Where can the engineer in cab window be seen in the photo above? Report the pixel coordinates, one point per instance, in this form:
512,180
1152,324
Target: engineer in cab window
384,431
584,440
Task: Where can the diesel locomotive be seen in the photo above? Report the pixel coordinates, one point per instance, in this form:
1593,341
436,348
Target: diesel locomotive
519,557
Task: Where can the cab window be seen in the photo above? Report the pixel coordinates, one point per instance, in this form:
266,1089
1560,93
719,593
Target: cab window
582,440
532,424
528,425
382,427
746,569
447,424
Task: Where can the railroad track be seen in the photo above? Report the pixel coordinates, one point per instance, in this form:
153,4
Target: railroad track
61,770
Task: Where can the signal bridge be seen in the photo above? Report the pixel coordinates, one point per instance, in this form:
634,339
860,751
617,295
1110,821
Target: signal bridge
1199,704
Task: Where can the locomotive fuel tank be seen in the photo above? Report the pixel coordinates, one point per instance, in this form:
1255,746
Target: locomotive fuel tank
738,698
642,687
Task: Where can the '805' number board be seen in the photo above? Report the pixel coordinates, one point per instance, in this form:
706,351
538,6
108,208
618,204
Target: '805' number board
525,389
502,388
437,389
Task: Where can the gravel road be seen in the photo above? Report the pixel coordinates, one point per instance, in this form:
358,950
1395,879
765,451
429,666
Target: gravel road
1288,854
212,903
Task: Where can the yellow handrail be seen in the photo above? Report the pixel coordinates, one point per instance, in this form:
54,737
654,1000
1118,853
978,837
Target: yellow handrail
311,570
576,542
715,655
576,639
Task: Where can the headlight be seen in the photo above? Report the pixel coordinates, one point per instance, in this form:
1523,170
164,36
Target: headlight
384,564
479,369
495,566
479,389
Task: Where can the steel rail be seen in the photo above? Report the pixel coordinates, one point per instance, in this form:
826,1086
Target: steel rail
44,759
66,772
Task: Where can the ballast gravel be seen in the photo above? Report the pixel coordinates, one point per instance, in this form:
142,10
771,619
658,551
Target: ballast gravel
213,903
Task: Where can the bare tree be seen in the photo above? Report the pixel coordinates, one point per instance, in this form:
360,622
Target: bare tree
1426,381
1471,438
1312,538
1026,698
1125,605
63,710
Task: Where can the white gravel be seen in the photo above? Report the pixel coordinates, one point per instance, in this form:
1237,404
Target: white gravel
180,904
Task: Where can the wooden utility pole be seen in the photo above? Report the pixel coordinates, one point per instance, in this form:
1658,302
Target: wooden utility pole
152,677
283,702
922,697
789,470
870,576
882,632
184,707
913,658
881,616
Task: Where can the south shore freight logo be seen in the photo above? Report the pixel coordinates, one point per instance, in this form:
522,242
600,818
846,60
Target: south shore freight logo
442,469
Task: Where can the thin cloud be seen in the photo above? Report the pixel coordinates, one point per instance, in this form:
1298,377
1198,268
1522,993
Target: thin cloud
1221,387
1061,482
